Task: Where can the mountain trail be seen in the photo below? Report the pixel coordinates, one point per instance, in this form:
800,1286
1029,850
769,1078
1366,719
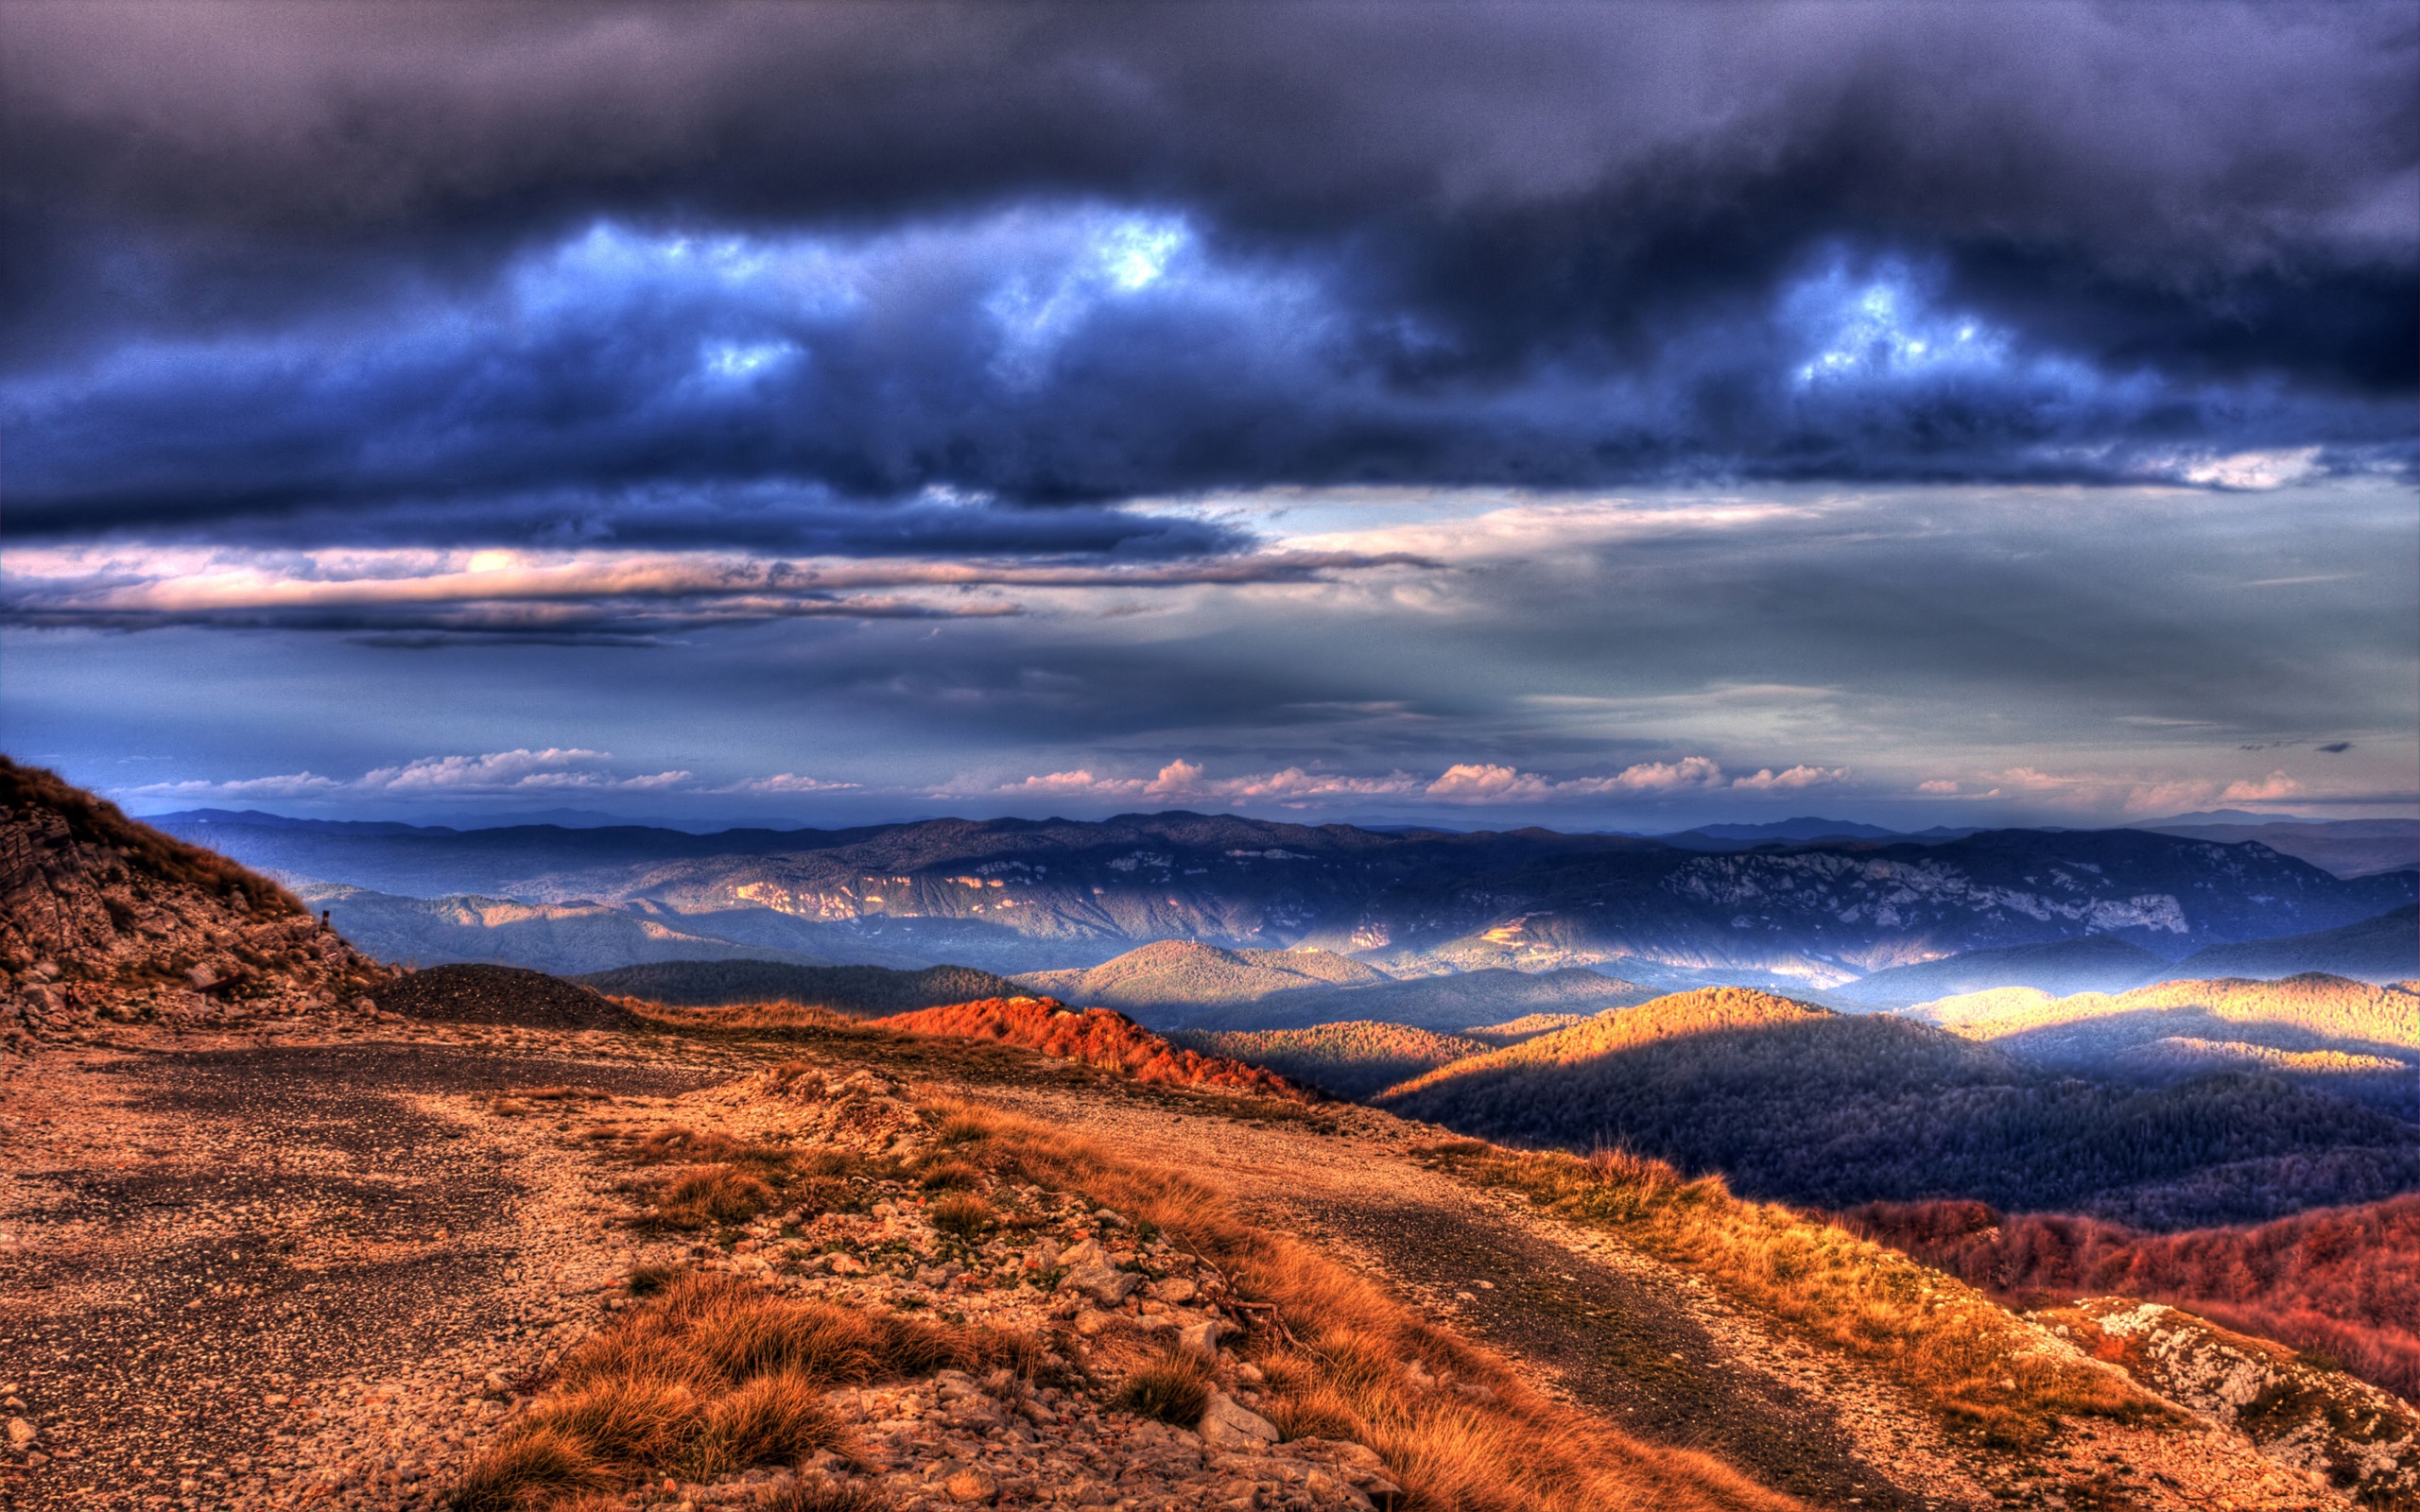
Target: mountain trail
1650,1345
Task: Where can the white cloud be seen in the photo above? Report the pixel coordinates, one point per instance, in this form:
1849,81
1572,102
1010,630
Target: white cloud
785,782
2256,470
520,771
1792,777
2268,789
1181,780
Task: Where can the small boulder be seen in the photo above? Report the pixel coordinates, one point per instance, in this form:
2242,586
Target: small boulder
22,1434
971,1486
1227,1423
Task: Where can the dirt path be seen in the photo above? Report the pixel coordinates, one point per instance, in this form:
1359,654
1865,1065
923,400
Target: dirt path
1640,1342
199,1250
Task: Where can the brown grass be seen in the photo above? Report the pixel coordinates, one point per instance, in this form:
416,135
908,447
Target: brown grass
964,1217
1979,1367
710,1196
1173,1388
809,1496
715,1375
1475,1437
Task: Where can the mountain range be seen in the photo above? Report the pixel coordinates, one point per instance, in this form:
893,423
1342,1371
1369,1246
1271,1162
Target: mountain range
1015,896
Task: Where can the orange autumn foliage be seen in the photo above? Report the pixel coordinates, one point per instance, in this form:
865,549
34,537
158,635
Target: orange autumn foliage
1096,1037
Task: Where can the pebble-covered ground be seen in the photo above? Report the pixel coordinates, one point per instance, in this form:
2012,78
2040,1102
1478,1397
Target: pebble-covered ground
247,1276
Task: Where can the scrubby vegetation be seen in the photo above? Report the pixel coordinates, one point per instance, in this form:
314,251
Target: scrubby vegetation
1096,1037
713,1374
1792,1102
1964,1356
2344,1282
1343,1059
853,991
1464,1431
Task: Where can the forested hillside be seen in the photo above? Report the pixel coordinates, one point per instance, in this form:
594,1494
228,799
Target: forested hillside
2345,1281
1343,1059
1790,1101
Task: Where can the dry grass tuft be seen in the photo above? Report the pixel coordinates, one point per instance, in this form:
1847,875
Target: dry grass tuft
949,1175
1465,1432
713,1195
1977,1365
959,1130
714,1375
648,1279
809,1496
1174,1388
963,1217
537,1468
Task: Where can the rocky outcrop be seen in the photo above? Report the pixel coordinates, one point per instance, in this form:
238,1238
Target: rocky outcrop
104,920
2299,1411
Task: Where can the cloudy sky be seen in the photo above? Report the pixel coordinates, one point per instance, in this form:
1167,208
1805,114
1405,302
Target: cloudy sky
1606,416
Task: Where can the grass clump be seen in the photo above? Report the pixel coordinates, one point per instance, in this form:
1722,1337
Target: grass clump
961,1217
948,1176
714,1375
710,1196
1174,1388
811,1496
534,1467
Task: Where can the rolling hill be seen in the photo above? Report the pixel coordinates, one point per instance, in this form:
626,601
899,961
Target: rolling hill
1015,896
2385,949
1342,1060
1097,1036
2355,1039
854,991
2096,963
1447,1004
1792,1101
1174,979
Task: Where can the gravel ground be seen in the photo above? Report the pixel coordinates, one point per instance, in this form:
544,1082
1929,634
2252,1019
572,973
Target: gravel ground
203,1251
500,995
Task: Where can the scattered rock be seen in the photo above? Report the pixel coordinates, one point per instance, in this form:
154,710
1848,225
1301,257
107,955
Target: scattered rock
1226,1423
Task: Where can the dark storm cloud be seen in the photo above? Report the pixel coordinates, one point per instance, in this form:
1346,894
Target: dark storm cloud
341,267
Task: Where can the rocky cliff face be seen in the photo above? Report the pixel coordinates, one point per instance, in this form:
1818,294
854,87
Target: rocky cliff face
105,920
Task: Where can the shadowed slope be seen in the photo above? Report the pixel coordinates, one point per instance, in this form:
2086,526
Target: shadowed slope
1790,1101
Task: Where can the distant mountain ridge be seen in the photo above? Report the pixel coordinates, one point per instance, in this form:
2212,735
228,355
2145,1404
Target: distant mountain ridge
1015,896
